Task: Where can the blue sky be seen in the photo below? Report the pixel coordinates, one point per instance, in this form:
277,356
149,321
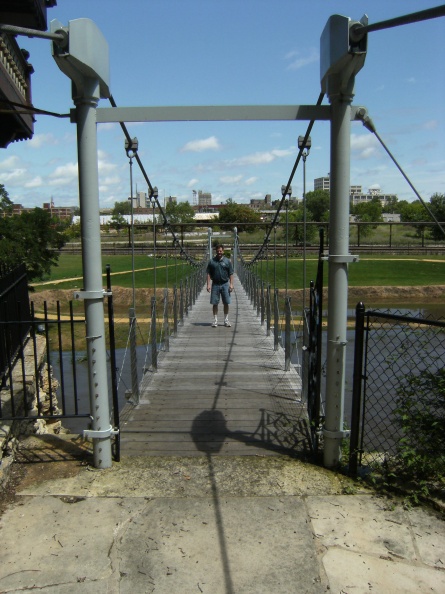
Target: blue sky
223,52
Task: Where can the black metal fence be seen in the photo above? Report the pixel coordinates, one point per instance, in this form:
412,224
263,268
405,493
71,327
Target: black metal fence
398,406
15,317
44,378
312,342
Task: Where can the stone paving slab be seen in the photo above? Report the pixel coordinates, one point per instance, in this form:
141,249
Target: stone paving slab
215,525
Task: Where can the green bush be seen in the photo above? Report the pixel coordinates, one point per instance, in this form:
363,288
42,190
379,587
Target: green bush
421,415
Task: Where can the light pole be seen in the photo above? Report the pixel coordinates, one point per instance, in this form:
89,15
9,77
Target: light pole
305,147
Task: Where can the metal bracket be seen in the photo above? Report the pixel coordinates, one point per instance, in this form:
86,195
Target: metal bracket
92,294
341,259
337,434
100,434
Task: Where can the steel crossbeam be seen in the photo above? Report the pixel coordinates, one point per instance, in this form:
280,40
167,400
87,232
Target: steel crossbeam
219,113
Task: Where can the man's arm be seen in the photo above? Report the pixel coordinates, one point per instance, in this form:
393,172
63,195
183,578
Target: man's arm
231,282
208,282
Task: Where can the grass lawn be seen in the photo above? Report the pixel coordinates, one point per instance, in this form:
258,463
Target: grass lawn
369,271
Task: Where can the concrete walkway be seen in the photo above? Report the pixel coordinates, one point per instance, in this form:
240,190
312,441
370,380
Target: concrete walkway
209,524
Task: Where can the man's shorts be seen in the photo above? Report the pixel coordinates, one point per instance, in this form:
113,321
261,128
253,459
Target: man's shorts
220,291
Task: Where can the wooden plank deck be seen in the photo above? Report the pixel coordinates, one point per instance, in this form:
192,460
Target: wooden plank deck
218,391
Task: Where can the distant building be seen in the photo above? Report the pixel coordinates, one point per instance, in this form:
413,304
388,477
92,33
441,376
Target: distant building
204,198
170,200
61,212
391,217
322,183
140,200
265,203
372,193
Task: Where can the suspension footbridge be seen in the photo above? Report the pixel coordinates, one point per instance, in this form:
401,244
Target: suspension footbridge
218,390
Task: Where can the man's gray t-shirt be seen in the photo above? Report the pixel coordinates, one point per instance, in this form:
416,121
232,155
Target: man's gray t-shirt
220,270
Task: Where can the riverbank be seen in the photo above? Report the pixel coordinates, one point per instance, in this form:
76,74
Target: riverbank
372,296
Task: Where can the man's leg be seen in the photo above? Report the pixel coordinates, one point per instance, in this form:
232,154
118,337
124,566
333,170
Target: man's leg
214,300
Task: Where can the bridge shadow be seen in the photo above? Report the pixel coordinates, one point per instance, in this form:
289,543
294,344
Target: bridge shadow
210,434
278,432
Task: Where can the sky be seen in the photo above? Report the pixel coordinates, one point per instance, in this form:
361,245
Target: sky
227,52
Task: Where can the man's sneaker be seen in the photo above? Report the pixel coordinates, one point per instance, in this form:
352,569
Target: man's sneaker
215,323
227,324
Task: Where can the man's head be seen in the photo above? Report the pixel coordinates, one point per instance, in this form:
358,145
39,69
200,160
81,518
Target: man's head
219,251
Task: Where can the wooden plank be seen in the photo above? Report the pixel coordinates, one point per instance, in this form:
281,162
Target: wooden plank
218,391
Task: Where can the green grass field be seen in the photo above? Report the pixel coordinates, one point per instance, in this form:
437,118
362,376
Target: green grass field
369,271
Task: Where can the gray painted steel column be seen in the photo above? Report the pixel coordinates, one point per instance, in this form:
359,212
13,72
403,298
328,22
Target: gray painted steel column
338,270
92,270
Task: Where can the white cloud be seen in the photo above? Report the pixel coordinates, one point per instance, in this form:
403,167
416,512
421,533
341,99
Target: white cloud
231,179
364,146
63,175
105,167
36,182
198,146
13,178
9,163
108,181
261,158
39,140
298,60
250,181
193,182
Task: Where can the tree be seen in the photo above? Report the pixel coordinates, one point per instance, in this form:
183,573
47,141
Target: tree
368,212
437,205
5,202
179,212
317,203
297,233
413,212
391,205
33,238
122,208
238,215
117,221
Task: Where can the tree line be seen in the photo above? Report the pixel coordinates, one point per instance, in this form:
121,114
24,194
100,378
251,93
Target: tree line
36,237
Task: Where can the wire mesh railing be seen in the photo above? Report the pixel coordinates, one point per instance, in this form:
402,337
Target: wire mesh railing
398,408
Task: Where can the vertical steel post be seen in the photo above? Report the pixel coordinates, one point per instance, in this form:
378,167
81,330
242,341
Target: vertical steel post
287,345
276,320
92,293
235,250
154,338
134,393
209,242
357,388
341,99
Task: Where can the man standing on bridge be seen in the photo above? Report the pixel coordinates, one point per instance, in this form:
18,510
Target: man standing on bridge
220,272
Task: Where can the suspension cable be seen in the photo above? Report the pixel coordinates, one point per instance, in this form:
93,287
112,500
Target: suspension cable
369,125
29,110
285,189
153,194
